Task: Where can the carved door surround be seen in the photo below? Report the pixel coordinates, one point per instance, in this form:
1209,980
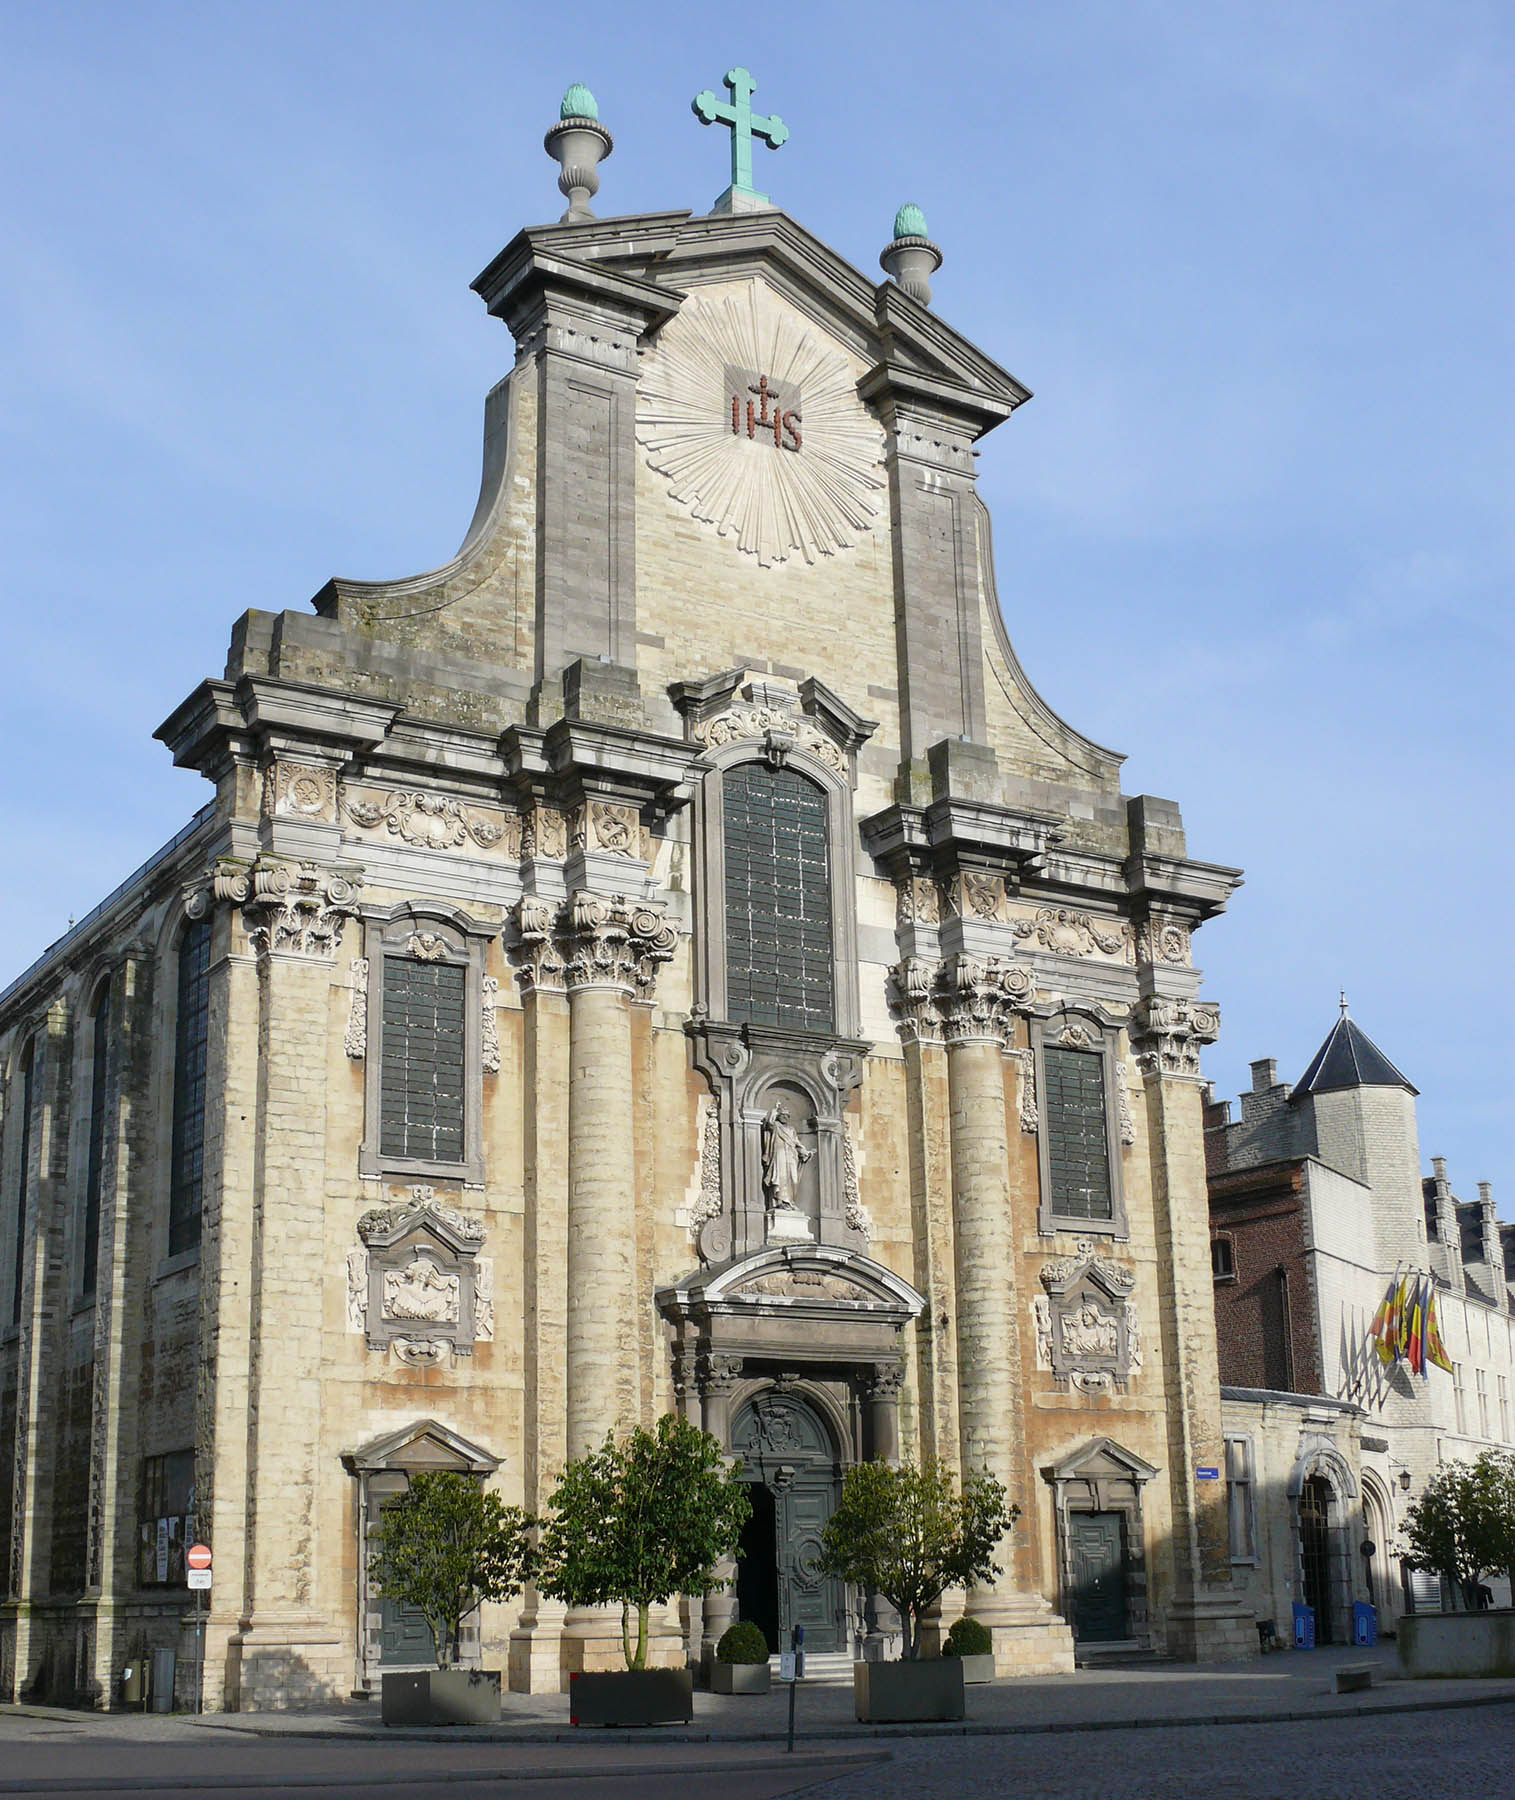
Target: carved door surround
749,1069
1105,1478
383,1468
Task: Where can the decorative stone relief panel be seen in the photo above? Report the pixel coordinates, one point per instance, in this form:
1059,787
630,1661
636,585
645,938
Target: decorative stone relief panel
1087,1332
355,1039
431,821
782,730
752,415
416,1283
544,834
1064,932
489,1040
296,790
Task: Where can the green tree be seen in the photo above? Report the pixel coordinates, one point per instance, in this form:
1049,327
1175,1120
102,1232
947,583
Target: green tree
447,1544
1462,1524
636,1522
910,1534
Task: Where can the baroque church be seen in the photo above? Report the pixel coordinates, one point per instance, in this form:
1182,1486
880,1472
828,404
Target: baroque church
667,958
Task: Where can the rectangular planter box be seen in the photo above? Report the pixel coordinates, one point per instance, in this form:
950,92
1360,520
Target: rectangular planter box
1478,1643
977,1669
908,1692
741,1678
632,1697
442,1697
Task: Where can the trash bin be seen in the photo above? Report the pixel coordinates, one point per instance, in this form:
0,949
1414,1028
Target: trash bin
1364,1623
1304,1626
164,1662
134,1683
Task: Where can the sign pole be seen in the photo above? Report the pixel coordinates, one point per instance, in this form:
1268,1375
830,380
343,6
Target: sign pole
199,1650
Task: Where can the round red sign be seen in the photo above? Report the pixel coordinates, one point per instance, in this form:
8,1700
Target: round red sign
197,1556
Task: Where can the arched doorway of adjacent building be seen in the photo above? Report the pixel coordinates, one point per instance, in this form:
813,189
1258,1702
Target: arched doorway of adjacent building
791,1460
1315,1554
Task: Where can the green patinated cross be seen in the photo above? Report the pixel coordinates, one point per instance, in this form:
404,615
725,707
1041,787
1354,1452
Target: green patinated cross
745,126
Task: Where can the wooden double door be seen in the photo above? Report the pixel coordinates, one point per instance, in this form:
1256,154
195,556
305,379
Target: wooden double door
791,1467
1097,1542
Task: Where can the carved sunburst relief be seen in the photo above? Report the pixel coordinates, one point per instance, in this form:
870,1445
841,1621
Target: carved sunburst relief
754,419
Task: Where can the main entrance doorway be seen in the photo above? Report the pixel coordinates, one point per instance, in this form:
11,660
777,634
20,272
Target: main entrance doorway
1097,1541
791,1464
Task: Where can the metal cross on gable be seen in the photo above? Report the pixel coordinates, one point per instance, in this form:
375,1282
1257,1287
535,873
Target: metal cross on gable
745,126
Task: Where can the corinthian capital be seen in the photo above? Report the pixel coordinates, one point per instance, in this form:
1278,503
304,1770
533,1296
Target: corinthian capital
912,993
539,967
296,907
961,998
609,941
1167,1034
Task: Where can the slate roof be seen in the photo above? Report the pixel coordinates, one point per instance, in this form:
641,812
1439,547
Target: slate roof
1349,1058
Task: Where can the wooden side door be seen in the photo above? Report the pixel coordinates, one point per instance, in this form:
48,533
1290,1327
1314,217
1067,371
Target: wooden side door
1098,1543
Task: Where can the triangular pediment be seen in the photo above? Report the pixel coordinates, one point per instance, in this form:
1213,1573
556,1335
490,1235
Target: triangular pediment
1103,1457
422,1445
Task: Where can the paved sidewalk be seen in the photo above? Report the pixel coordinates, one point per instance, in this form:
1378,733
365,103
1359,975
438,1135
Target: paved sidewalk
1288,1685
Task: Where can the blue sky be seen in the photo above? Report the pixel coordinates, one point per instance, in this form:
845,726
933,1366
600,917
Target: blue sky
1254,529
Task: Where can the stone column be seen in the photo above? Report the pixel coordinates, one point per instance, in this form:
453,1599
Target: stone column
1205,1619
611,950
286,1644
718,1376
929,1140
973,994
884,1412
535,1645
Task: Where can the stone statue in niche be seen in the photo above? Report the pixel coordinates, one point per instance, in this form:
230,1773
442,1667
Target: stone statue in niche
783,1157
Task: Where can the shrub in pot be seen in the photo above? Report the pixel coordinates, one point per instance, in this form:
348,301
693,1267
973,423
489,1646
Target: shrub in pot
972,1643
443,1547
741,1661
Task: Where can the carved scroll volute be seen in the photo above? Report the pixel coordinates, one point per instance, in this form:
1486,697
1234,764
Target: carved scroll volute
1168,1034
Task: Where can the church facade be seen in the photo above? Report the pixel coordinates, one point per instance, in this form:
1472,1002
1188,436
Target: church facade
667,958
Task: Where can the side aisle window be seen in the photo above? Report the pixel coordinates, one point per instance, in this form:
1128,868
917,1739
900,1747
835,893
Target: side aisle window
186,1185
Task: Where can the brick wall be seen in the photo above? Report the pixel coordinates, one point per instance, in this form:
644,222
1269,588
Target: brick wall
1265,1315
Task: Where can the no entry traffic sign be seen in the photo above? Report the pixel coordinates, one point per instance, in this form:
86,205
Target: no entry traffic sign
197,1556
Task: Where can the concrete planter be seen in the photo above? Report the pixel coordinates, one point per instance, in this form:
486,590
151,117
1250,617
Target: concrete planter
976,1669
632,1697
909,1692
741,1678
442,1697
1477,1643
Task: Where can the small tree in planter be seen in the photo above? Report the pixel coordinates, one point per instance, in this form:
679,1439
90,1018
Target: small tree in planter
1462,1525
443,1547
910,1534
636,1522
973,1644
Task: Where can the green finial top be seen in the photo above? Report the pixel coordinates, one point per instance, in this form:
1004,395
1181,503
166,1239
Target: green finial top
910,221
579,103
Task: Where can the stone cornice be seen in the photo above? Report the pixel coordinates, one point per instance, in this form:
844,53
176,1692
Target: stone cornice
223,723
952,833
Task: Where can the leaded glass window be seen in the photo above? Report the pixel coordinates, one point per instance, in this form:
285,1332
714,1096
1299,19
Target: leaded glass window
94,1177
779,968
1078,1153
23,1170
421,1084
186,1186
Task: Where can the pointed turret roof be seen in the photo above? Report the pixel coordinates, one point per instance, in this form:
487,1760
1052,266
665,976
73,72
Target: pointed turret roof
1347,1059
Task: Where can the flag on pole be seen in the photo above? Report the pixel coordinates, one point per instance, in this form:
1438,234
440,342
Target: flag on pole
1382,1333
1402,1302
1415,1318
1436,1350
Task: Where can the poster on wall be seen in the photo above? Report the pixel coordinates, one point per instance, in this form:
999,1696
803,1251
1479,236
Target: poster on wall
162,1566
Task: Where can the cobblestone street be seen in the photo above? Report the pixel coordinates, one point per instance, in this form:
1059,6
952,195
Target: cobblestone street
1453,1753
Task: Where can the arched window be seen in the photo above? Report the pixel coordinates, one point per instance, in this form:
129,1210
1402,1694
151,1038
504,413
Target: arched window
779,953
94,1175
23,1171
186,1183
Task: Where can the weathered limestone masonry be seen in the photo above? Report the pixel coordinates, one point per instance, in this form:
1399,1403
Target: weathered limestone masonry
669,956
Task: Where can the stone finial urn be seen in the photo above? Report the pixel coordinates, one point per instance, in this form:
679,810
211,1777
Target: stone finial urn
578,143
911,259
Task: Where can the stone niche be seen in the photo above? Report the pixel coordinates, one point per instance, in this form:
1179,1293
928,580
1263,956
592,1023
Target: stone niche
418,1285
1087,1330
756,1073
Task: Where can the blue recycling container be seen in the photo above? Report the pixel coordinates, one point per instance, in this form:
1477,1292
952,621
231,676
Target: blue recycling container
1304,1626
1364,1623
